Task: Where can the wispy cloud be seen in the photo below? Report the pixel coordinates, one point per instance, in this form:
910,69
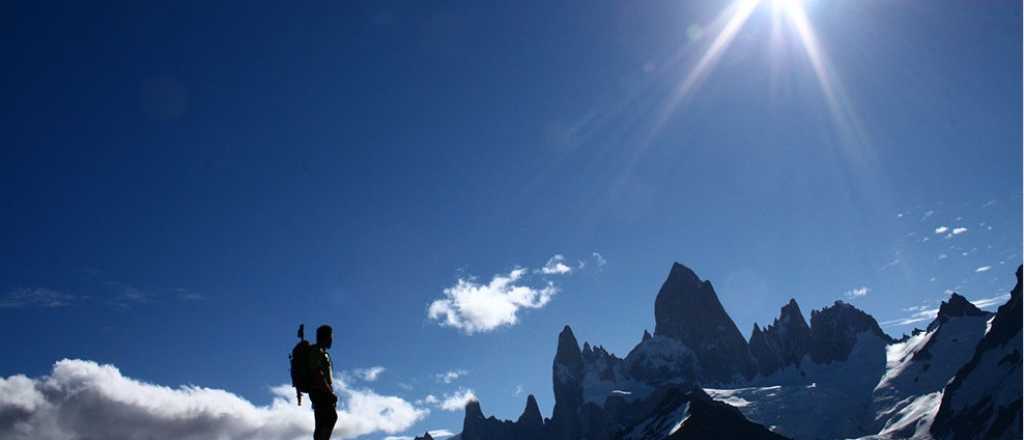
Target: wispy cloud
35,297
475,307
450,375
983,269
943,256
368,374
598,259
857,292
556,266
890,264
97,401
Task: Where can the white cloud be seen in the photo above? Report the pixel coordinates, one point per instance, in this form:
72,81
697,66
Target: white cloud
556,266
368,374
983,269
599,259
858,292
450,375
519,390
943,256
474,307
941,230
921,313
457,401
35,297
96,401
430,399
959,230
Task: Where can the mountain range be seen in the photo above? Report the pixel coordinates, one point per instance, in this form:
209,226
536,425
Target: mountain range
839,376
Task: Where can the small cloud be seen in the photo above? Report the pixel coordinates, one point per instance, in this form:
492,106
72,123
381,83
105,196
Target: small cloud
941,230
927,214
857,292
518,390
404,386
599,260
983,269
457,401
556,266
441,433
35,297
430,399
368,374
475,307
450,375
960,230
899,215
943,256
989,203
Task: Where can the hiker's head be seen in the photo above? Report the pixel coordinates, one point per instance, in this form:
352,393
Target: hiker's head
324,336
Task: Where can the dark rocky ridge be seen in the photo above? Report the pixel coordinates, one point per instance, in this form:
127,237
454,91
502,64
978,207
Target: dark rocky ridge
988,418
687,310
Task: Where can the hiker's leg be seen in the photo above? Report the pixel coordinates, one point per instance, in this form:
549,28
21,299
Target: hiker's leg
325,419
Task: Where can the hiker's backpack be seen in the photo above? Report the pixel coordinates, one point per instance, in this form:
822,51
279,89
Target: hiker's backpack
302,378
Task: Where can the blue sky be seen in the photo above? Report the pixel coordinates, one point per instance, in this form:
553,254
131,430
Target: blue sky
184,184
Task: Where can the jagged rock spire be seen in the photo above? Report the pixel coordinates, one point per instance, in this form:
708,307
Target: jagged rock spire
687,310
567,376
531,417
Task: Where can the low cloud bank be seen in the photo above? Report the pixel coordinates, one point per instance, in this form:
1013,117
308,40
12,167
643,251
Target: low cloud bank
82,400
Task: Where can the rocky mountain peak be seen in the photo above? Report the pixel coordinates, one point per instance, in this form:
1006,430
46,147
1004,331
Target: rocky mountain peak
426,436
835,330
688,311
531,417
955,307
646,337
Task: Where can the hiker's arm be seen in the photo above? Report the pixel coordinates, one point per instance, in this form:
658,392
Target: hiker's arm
321,382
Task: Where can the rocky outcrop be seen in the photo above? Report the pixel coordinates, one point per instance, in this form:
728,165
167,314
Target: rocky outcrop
835,330
688,311
783,343
426,436
983,400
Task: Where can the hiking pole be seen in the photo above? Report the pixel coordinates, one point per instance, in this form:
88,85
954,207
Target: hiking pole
298,392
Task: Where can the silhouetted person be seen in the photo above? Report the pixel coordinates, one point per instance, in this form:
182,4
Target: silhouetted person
322,392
